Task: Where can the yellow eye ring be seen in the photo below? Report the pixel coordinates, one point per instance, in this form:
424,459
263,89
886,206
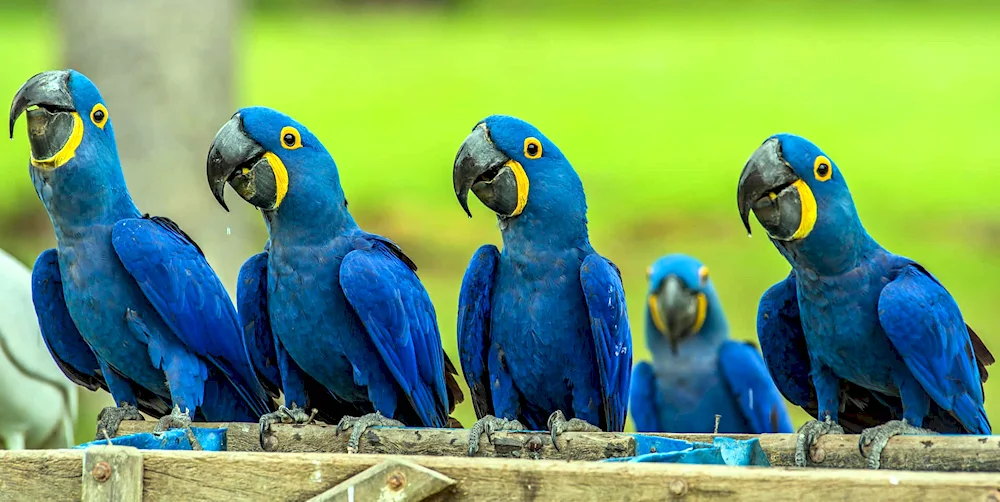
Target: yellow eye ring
703,275
99,115
822,168
290,138
532,148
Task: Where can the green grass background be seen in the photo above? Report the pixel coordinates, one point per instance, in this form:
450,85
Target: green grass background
657,106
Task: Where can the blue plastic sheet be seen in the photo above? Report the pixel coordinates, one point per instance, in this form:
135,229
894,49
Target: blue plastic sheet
171,439
723,451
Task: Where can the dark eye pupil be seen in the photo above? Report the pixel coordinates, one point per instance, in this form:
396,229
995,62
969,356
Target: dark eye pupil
289,139
98,115
532,149
823,169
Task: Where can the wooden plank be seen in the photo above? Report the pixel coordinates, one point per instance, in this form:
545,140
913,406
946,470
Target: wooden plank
390,481
318,438
111,474
918,453
190,476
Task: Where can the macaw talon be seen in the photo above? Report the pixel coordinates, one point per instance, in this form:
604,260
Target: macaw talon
878,437
489,425
175,420
284,415
111,417
809,433
558,424
359,425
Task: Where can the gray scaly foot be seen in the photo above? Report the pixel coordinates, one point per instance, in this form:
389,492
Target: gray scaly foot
558,424
488,425
178,420
111,417
878,437
293,415
284,415
359,425
809,433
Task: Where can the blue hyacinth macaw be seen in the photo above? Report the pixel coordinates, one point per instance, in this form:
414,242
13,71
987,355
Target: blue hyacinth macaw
855,327
335,317
697,371
543,330
125,302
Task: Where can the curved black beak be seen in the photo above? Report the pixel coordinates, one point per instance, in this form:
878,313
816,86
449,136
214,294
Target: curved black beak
768,188
488,172
676,311
237,159
51,120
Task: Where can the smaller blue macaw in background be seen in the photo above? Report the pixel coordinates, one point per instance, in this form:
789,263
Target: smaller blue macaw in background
860,337
126,302
697,371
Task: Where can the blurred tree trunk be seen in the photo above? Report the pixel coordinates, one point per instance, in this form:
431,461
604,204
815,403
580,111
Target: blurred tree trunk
166,71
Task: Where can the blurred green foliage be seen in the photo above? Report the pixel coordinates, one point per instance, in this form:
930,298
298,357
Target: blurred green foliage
657,105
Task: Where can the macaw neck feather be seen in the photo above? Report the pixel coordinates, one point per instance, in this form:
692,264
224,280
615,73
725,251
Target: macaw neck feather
84,194
837,244
309,221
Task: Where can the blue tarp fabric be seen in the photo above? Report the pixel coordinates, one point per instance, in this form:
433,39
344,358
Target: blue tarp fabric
172,439
723,451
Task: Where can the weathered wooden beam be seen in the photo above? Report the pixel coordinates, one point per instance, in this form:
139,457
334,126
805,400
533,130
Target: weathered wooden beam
317,438
111,473
185,475
392,480
925,453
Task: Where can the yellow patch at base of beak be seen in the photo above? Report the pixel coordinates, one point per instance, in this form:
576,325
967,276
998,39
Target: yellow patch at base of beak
654,312
522,185
699,319
67,152
280,177
808,203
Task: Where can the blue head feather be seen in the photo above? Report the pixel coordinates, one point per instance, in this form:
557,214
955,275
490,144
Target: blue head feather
557,205
90,188
314,196
838,239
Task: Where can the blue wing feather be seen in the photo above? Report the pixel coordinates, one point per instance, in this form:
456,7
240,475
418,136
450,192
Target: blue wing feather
605,297
925,326
66,345
251,301
752,388
400,319
783,344
642,398
177,280
474,325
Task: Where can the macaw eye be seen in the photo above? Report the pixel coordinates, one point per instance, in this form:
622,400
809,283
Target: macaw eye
290,138
703,275
99,115
532,148
821,168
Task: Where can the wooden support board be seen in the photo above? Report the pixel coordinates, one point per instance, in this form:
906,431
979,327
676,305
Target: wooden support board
923,453
193,476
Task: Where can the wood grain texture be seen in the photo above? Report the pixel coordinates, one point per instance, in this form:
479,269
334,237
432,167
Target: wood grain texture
111,474
916,453
392,480
193,476
316,438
